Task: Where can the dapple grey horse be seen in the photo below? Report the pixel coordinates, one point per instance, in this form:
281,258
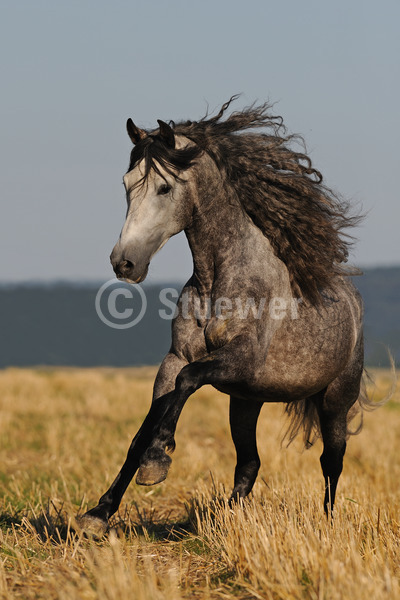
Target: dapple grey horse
265,234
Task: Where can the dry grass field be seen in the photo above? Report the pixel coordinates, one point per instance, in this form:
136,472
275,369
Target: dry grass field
64,435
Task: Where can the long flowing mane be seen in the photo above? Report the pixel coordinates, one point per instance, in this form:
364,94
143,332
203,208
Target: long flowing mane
276,185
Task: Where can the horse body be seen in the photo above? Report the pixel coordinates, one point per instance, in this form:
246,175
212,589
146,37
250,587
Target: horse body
239,326
296,353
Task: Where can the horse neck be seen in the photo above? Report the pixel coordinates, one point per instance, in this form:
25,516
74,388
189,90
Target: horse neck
224,242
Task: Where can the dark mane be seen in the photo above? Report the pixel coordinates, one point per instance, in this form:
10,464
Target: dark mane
276,185
155,154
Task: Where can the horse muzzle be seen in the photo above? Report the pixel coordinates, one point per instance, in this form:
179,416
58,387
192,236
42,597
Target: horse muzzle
125,269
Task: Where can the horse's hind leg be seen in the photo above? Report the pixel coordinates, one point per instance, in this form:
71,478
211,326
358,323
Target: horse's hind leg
243,416
333,408
333,430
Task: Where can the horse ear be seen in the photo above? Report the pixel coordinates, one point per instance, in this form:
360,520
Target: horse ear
134,132
166,134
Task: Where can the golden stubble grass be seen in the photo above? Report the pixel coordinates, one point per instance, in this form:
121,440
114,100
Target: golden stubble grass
63,436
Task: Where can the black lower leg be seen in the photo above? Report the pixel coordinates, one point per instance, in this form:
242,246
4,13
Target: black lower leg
110,501
333,429
332,465
155,461
221,365
243,417
148,449
333,405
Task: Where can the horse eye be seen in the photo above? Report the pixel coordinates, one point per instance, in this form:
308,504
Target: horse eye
164,189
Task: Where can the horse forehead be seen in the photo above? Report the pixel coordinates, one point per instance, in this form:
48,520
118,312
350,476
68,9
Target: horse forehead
135,175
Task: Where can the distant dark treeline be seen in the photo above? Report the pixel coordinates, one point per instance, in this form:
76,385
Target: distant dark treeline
58,324
380,289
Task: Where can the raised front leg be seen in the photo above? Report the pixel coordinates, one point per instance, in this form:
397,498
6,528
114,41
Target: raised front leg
243,416
155,471
224,366
96,519
156,436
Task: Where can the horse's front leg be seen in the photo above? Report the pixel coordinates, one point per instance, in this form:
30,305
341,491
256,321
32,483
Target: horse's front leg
230,364
152,472
95,521
243,416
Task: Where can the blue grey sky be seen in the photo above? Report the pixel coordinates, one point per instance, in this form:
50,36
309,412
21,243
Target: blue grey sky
72,72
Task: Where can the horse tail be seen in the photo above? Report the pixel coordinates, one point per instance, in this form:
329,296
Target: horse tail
303,414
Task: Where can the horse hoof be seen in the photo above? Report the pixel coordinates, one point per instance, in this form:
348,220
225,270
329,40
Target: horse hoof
91,527
153,472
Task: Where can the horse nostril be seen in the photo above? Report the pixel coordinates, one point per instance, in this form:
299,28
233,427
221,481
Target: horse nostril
123,268
127,265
